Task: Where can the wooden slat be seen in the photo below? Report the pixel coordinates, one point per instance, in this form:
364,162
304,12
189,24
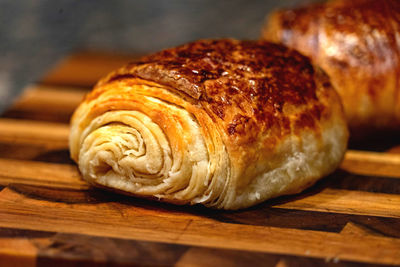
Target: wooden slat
46,103
372,163
349,202
33,132
265,215
38,173
85,68
349,181
124,221
50,98
42,152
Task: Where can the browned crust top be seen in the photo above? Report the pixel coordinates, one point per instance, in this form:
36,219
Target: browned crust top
248,65
245,84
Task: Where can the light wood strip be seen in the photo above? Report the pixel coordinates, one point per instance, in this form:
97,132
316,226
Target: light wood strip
124,221
53,99
34,132
41,174
348,202
372,163
86,68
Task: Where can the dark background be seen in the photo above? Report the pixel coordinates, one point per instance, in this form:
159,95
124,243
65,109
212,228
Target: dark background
36,34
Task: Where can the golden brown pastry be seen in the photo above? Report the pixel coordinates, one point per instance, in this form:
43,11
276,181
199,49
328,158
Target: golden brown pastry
357,43
224,123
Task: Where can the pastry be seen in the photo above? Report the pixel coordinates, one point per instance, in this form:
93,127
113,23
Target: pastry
357,44
224,123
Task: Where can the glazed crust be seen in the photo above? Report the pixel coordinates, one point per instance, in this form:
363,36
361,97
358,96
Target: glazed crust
244,85
266,122
356,43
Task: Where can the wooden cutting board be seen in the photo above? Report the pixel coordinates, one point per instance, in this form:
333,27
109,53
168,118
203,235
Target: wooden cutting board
49,216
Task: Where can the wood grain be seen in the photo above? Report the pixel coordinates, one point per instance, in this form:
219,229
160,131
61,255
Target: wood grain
129,222
50,217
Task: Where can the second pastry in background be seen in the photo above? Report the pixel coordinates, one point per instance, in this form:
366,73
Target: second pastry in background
357,44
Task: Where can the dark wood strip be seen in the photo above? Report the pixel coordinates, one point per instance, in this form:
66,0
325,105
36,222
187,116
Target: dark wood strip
394,149
60,117
64,195
94,251
35,152
346,180
347,202
379,142
341,179
309,220
23,233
